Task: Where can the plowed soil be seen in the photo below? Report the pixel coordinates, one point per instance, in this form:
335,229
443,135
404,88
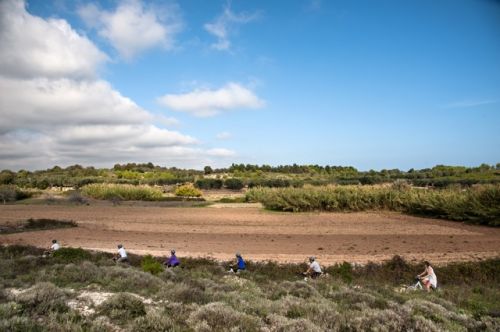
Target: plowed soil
257,234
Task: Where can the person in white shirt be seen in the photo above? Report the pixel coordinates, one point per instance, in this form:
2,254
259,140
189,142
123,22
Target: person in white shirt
121,256
314,269
428,277
55,246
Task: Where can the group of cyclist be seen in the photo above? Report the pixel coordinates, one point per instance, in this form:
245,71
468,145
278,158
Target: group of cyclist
428,277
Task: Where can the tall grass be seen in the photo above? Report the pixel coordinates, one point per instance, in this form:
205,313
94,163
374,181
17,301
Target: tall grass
479,205
122,191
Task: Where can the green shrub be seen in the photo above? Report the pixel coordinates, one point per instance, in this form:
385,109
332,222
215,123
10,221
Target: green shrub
282,324
234,184
219,317
71,255
122,307
343,271
120,279
151,265
125,192
154,322
208,183
20,324
42,298
187,191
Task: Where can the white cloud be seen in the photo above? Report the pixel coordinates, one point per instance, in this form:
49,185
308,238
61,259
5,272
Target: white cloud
134,27
55,111
223,25
44,103
220,152
31,46
223,135
204,102
469,103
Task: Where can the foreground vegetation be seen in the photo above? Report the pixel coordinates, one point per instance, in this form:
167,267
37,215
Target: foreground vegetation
478,205
81,291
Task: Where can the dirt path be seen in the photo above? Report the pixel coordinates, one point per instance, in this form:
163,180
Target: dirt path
258,234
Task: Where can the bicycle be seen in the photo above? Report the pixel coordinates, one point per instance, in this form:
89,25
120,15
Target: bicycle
417,286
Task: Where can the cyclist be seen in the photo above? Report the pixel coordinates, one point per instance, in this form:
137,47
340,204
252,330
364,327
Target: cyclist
428,277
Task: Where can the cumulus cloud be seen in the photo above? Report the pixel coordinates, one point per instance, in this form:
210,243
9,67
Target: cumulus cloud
44,103
224,24
205,103
56,111
133,27
31,46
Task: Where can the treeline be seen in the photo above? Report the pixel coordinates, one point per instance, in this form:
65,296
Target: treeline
78,176
238,176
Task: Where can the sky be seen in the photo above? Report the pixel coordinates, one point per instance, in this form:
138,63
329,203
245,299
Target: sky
370,84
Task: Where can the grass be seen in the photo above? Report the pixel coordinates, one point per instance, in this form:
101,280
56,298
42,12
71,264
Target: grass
201,296
36,225
477,205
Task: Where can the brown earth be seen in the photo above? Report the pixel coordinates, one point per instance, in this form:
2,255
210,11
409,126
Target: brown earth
257,234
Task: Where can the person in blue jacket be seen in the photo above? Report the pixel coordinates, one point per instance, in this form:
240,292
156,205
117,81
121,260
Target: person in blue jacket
172,261
240,264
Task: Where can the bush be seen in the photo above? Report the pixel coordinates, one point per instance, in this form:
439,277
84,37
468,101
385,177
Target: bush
154,322
125,192
151,265
234,184
122,307
123,279
208,184
20,324
71,255
42,298
187,191
283,324
219,317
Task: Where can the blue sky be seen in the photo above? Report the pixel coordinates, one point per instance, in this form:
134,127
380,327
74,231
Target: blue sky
372,84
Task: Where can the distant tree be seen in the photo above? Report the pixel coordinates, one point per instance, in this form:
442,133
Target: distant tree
208,170
7,193
7,177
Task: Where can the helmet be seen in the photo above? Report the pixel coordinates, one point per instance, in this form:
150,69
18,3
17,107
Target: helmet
312,258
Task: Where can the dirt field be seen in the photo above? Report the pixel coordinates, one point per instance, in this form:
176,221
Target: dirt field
257,234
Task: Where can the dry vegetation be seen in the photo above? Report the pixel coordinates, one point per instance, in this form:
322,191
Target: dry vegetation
82,291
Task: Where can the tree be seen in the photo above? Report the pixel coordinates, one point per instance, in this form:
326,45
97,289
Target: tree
208,170
7,193
7,177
